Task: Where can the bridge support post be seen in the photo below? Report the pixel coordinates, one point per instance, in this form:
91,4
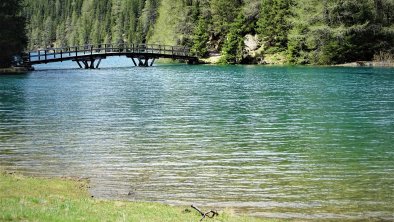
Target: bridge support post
144,62
98,64
132,59
141,61
79,64
89,63
153,61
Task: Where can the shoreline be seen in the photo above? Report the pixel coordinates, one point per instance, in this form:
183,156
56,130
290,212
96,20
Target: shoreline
214,60
31,198
67,199
367,64
15,70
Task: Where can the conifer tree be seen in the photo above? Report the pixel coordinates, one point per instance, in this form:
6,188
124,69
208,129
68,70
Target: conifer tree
201,38
273,25
232,51
148,17
12,31
223,14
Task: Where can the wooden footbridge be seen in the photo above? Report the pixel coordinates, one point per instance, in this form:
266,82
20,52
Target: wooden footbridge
90,56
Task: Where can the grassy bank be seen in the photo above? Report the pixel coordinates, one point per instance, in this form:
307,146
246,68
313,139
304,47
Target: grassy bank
37,199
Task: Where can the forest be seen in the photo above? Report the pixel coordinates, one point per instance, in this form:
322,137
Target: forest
241,31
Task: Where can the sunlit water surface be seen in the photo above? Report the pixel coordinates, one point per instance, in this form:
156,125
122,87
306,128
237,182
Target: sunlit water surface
287,142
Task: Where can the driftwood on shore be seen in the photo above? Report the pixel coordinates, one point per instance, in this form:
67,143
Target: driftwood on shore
209,214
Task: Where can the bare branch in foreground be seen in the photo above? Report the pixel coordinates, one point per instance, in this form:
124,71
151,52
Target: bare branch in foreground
209,214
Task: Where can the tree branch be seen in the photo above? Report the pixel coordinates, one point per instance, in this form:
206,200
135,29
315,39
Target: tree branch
209,214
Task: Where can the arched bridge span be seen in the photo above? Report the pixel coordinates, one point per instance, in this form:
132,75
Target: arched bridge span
90,56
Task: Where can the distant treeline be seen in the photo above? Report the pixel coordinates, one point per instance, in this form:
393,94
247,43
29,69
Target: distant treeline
296,31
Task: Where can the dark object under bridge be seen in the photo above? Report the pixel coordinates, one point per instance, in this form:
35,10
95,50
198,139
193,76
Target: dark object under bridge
90,56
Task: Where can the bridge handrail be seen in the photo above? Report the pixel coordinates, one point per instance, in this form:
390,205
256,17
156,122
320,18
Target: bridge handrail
108,48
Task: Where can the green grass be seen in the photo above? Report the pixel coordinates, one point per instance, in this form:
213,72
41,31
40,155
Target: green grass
38,199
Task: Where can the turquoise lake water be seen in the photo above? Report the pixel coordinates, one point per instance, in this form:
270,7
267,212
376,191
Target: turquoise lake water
285,142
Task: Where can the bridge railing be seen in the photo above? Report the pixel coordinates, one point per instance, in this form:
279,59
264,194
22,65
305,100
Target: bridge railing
104,49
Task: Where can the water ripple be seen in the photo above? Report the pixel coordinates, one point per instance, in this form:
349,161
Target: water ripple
270,141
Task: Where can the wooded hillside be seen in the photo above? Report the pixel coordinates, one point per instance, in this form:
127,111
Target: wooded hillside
243,31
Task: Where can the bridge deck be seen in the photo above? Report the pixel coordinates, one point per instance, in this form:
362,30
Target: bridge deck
142,52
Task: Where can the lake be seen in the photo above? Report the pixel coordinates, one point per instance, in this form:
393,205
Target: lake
282,142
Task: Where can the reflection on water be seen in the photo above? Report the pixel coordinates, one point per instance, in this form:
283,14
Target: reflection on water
277,142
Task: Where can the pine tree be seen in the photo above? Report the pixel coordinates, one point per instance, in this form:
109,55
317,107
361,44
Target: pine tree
12,31
60,38
232,51
148,18
223,14
273,25
95,35
117,22
201,38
